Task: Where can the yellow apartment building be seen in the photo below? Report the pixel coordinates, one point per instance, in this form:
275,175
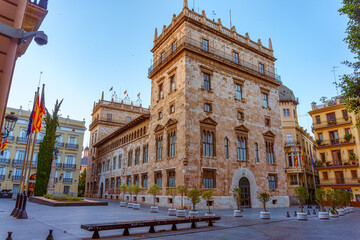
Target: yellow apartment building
338,146
69,144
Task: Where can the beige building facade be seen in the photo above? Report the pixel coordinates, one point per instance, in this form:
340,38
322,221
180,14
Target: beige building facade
67,166
214,121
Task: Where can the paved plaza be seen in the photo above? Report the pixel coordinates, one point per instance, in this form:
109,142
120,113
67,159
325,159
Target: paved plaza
66,223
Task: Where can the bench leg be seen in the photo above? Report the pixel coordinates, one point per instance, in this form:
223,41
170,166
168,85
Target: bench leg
174,227
96,235
210,224
126,232
152,229
193,225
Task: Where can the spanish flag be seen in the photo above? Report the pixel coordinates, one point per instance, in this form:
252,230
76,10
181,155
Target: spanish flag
4,144
302,157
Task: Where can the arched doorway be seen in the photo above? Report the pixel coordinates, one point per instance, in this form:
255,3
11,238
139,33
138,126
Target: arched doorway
101,190
244,184
32,181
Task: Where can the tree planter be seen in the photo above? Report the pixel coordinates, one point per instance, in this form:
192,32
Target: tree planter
122,204
154,209
341,211
238,213
136,206
333,215
130,205
302,216
324,215
172,211
264,215
193,213
209,214
181,213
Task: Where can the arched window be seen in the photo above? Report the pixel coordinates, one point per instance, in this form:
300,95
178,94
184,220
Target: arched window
226,148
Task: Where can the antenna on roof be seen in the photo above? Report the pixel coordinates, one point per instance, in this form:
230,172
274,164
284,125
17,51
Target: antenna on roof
230,19
214,14
334,70
193,5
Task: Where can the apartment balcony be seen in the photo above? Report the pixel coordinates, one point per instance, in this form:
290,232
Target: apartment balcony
10,139
21,140
72,146
58,165
339,164
16,178
291,143
335,142
2,177
340,182
4,161
217,54
69,166
18,162
332,123
40,3
294,169
67,180
59,144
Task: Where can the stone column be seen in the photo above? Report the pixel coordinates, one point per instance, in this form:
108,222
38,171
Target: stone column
50,186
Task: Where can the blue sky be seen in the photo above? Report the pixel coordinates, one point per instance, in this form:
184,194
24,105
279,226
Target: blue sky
94,45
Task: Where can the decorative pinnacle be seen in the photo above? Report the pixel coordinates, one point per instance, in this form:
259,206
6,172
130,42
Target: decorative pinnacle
102,96
270,44
185,4
156,34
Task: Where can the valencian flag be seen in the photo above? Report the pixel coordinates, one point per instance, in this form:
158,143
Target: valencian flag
38,113
296,159
4,144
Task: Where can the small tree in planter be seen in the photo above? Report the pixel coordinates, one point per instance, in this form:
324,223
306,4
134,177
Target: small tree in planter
264,198
154,190
208,197
194,197
237,194
130,189
182,190
302,195
332,198
123,189
172,192
136,190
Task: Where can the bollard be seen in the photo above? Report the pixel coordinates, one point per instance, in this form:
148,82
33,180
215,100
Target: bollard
287,214
16,213
22,214
295,214
309,212
50,236
9,236
314,211
16,205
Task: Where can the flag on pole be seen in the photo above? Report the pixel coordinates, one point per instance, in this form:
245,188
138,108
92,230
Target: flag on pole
38,113
296,159
125,92
138,95
4,144
302,157
31,118
111,89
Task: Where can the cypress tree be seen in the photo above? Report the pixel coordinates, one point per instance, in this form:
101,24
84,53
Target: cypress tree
46,149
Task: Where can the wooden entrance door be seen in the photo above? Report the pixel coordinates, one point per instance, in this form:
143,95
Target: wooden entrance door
244,184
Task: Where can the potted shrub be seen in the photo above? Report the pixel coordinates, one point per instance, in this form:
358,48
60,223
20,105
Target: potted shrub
129,189
352,156
264,198
320,198
194,196
302,195
154,190
318,141
340,196
182,191
208,197
238,199
348,136
123,189
136,190
172,192
330,196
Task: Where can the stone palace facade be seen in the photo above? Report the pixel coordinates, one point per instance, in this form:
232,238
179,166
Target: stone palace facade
214,120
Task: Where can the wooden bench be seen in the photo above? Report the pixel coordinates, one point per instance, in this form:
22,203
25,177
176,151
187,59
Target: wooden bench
146,223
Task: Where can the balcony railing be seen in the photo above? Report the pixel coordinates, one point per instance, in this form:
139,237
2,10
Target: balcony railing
18,162
72,146
4,161
59,144
2,177
34,164
10,139
334,142
339,163
217,53
21,140
41,3
340,181
333,122
16,178
291,143
58,165
69,166
67,180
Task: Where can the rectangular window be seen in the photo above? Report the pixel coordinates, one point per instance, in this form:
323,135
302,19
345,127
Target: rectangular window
129,180
236,57
161,91
318,119
118,183
208,144
159,145
119,161
240,115
171,179
347,131
173,47
345,114
206,78
136,180
172,83
293,180
354,174
207,107
226,148
158,178
265,100
128,119
137,156
208,179
325,176
267,121
270,152
256,152
162,57
130,159
172,108
272,182
261,68
331,116
172,144
205,45
112,183
109,116
238,92
144,181
145,152
114,163
320,136
160,115
286,112
241,148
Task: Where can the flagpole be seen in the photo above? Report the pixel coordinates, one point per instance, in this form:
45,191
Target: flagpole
33,148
